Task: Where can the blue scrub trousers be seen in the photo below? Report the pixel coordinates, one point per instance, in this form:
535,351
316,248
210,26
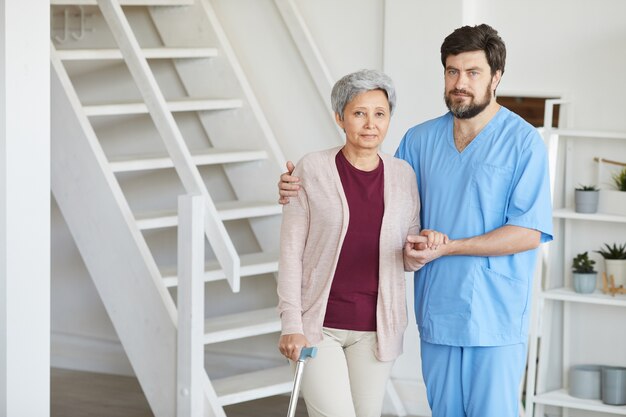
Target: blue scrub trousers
473,381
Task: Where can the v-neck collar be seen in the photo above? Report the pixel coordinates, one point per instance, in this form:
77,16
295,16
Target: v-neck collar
476,141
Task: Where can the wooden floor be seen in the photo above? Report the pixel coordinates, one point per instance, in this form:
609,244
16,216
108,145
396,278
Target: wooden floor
85,394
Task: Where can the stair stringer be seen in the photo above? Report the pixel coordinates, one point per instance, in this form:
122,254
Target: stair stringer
171,135
245,128
112,247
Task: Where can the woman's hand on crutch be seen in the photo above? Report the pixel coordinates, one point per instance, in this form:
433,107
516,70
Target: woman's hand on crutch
291,344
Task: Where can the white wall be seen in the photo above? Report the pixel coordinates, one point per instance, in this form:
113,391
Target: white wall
572,49
24,209
567,47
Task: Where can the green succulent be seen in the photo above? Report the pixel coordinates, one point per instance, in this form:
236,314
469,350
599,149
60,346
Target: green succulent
620,180
614,251
587,188
583,264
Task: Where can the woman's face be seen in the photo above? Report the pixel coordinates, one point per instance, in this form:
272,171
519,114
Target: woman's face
366,120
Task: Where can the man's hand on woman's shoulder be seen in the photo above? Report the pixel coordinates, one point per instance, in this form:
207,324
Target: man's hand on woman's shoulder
288,184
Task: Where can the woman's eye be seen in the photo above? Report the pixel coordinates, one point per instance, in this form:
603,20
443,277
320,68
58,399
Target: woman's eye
358,113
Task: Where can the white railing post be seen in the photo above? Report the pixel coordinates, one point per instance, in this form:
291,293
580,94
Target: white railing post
189,398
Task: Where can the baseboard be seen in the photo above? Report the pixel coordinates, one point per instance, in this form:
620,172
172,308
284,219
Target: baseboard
85,353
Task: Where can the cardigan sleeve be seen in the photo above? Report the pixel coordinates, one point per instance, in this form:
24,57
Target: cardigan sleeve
293,236
415,214
414,227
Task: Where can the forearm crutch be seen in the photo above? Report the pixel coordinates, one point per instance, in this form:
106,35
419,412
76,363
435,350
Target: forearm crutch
305,353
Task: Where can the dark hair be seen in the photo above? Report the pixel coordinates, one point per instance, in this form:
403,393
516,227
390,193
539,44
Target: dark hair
476,38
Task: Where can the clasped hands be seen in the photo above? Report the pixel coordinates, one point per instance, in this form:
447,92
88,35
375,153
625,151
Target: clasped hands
423,248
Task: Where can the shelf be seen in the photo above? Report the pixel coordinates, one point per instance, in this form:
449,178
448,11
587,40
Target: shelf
561,398
569,213
597,297
574,133
557,315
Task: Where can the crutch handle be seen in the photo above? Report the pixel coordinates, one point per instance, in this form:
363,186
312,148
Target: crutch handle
306,353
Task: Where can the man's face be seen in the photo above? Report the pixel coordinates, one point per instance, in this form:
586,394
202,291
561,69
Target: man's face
469,85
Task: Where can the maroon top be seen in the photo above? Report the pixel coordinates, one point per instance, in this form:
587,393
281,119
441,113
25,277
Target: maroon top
354,291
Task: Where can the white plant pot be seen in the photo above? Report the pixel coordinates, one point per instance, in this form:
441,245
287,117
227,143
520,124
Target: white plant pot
612,202
617,268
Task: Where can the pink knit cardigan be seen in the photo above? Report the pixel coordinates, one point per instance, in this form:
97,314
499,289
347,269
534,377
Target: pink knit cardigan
313,229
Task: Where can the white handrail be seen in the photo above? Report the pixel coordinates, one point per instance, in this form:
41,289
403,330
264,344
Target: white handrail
190,352
307,47
309,51
172,137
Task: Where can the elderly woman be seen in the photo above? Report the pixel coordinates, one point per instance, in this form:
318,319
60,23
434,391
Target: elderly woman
341,281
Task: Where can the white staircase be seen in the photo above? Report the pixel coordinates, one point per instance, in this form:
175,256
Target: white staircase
150,103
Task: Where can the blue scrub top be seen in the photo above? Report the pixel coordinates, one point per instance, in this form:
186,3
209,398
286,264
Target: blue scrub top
500,178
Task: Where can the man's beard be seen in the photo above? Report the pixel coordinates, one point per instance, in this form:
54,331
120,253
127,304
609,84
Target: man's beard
467,111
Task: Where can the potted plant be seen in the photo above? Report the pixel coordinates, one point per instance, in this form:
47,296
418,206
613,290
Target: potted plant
586,199
614,201
614,262
584,276
619,180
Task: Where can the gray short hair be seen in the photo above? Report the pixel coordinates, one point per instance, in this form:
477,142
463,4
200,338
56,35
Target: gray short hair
351,85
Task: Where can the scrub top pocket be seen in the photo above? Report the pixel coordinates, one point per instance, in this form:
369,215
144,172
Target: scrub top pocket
490,188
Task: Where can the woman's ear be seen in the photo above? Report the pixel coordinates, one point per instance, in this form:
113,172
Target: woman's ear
338,120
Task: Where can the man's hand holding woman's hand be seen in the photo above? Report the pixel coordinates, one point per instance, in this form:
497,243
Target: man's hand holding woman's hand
423,248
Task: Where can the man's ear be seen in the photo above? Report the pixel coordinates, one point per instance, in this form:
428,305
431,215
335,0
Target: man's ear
495,80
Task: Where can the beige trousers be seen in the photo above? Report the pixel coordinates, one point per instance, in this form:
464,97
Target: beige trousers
345,379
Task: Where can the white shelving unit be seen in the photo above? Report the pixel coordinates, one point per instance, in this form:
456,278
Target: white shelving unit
552,293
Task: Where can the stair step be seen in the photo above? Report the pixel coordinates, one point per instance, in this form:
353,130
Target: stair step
233,210
251,264
229,210
254,385
188,104
240,325
149,53
207,157
123,2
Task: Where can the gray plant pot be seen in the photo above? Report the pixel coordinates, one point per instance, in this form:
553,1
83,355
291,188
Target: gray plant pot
584,283
586,201
614,385
584,381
